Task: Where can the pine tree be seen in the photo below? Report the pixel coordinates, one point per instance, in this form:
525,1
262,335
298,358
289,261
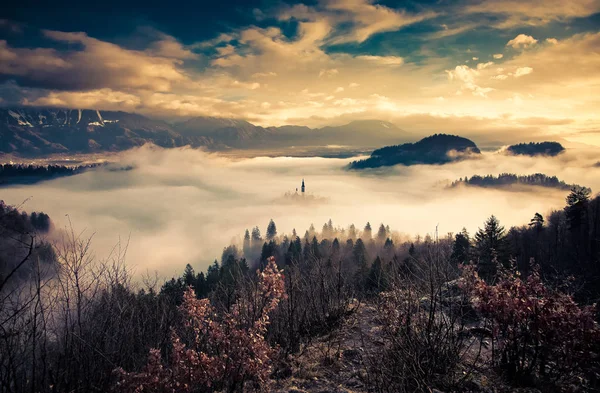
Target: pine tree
537,222
382,233
352,232
256,236
271,230
461,247
246,246
189,276
200,287
577,204
490,246
376,280
367,233
213,276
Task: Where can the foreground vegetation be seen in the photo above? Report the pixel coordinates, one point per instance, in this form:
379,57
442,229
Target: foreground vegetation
452,312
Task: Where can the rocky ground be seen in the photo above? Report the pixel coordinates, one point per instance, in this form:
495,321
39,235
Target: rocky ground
339,362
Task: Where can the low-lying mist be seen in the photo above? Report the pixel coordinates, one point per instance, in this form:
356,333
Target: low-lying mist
184,206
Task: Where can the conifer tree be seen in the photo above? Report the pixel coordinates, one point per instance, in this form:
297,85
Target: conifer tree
271,230
367,233
381,233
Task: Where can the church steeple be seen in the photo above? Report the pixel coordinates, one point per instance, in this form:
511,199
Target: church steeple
303,186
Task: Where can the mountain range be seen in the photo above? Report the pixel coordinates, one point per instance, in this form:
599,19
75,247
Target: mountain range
41,131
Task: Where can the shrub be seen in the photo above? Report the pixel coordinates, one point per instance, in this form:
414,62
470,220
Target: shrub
214,351
538,332
422,332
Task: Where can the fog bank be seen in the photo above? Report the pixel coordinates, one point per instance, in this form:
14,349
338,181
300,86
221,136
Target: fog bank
183,206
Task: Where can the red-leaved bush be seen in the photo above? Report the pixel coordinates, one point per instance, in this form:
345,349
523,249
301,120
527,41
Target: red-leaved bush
538,333
214,351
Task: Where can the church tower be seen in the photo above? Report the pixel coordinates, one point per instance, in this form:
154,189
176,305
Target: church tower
303,188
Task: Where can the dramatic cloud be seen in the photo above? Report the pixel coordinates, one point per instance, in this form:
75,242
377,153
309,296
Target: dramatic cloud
364,18
184,206
98,64
534,12
291,64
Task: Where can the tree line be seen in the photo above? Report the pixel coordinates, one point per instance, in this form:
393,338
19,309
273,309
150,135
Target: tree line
509,179
21,173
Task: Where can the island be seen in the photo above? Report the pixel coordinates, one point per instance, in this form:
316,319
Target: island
511,179
433,150
532,149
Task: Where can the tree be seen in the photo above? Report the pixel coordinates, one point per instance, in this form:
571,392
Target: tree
367,233
377,279
189,276
200,287
352,232
490,245
213,276
577,203
537,222
382,233
256,236
271,230
212,352
461,247
246,246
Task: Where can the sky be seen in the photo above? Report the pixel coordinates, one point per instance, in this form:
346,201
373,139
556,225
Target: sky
496,66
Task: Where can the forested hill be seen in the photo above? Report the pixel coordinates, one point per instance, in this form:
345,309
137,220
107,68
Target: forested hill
510,179
536,149
434,149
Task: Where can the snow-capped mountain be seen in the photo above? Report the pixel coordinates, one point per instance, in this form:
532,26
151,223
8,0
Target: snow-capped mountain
35,131
42,131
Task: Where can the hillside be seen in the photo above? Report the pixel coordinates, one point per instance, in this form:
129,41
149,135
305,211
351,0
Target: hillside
435,149
536,149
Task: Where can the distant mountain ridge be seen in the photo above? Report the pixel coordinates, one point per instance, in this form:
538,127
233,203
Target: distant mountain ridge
38,131
33,131
434,149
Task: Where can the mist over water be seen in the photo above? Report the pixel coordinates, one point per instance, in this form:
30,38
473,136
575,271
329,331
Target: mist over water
184,206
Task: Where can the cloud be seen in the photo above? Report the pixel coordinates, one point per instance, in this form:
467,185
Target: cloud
383,60
523,71
101,98
534,12
328,73
522,41
196,203
264,74
552,41
468,76
498,55
98,64
355,20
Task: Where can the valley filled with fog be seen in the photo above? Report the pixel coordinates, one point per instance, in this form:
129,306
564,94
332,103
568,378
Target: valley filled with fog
179,206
